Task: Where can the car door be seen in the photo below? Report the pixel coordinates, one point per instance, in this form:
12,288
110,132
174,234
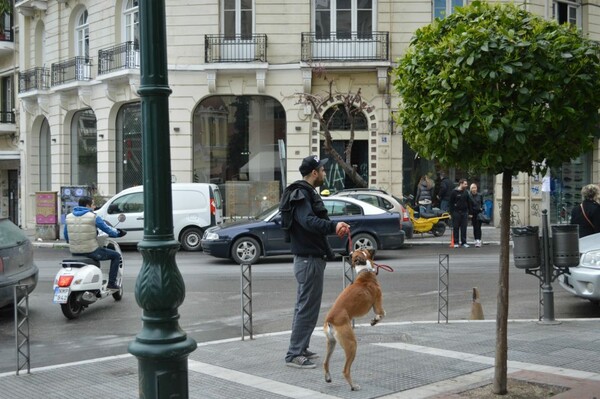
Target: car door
339,210
132,206
275,242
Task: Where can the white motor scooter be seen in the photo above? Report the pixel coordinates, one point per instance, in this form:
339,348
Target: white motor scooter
80,281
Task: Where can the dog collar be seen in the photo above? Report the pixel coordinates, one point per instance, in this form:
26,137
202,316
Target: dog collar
365,268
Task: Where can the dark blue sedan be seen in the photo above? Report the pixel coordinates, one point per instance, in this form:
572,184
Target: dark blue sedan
246,241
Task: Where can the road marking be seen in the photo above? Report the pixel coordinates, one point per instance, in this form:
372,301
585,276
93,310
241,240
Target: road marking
265,384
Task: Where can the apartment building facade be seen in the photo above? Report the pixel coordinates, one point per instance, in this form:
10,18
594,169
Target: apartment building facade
236,69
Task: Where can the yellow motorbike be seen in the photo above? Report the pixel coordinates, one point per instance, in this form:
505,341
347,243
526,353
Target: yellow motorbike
433,222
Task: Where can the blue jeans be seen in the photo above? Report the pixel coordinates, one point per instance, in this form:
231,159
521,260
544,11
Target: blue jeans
102,253
310,273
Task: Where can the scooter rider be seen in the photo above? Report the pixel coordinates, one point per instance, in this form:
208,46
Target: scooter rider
83,224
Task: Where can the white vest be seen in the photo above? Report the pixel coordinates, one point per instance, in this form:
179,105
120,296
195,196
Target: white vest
82,233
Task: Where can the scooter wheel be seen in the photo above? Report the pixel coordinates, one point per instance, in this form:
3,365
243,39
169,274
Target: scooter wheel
72,308
119,294
439,229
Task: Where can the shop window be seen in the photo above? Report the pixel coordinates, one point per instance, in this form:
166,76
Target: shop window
84,160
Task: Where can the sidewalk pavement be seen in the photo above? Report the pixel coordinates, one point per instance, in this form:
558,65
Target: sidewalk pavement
395,360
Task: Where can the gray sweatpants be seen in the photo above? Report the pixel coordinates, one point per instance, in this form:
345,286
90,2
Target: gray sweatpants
309,272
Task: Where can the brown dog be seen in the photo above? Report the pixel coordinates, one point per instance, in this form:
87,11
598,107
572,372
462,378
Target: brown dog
354,301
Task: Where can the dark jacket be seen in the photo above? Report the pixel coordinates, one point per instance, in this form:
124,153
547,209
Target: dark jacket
476,203
592,211
304,217
424,192
446,187
459,201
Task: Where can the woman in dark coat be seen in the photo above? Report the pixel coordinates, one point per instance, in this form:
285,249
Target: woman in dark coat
587,214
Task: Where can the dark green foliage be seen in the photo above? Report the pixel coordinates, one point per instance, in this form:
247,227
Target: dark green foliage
494,87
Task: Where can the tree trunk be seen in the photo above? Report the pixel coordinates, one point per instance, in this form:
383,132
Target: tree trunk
502,305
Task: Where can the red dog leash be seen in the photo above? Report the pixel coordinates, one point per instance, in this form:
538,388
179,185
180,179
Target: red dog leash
387,268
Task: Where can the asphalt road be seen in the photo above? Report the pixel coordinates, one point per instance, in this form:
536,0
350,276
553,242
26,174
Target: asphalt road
212,307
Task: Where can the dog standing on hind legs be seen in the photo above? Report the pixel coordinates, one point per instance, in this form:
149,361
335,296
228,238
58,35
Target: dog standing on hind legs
355,300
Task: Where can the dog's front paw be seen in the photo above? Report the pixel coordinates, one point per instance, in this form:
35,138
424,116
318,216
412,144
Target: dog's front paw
374,321
327,377
355,387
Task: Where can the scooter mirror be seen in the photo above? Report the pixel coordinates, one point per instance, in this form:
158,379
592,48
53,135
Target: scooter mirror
121,217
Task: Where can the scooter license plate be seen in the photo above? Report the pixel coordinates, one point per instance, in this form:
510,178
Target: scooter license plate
61,294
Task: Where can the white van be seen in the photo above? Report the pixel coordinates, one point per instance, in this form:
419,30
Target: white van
196,206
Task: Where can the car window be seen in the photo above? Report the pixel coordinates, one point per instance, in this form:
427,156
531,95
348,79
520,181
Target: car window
341,208
130,203
370,199
387,204
10,234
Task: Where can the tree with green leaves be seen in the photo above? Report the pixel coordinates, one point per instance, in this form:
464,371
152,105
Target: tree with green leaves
496,89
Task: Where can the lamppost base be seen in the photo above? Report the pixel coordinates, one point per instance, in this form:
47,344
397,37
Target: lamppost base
549,322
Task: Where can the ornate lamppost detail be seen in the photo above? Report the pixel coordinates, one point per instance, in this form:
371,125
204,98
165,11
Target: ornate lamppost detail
162,347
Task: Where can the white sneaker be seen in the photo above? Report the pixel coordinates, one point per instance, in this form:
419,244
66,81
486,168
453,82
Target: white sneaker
465,245
477,243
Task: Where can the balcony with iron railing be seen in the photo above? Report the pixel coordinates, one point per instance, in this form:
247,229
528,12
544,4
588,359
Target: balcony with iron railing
76,69
235,48
7,120
34,79
121,57
345,47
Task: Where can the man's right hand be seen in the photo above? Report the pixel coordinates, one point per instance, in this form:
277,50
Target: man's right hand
342,229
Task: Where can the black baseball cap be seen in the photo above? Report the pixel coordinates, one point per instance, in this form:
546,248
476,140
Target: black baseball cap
311,163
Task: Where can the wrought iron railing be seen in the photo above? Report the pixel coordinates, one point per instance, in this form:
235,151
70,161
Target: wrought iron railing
7,117
71,70
238,48
122,56
350,46
34,79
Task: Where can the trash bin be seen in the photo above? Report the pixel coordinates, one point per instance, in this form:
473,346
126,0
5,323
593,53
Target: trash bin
565,245
526,251
488,208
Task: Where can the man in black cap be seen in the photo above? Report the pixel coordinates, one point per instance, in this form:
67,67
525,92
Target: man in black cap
305,220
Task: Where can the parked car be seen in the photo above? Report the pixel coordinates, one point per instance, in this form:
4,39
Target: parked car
382,200
196,207
584,280
16,261
246,241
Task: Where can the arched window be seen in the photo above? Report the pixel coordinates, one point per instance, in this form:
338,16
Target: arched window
338,118
128,169
45,167
82,35
84,159
235,145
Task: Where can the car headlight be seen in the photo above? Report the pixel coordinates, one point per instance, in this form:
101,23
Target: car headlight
591,259
209,235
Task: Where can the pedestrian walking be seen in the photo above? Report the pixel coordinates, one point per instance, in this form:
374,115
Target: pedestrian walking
587,214
476,209
459,210
305,220
446,188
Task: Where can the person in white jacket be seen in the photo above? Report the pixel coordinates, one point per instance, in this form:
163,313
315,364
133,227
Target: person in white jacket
81,229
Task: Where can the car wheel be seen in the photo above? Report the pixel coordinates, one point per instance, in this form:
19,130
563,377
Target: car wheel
245,250
363,241
72,308
439,229
190,239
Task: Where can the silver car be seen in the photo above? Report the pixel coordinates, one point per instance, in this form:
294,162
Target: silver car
16,262
584,280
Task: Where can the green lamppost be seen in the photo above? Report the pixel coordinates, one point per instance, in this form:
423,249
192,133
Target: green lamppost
162,347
